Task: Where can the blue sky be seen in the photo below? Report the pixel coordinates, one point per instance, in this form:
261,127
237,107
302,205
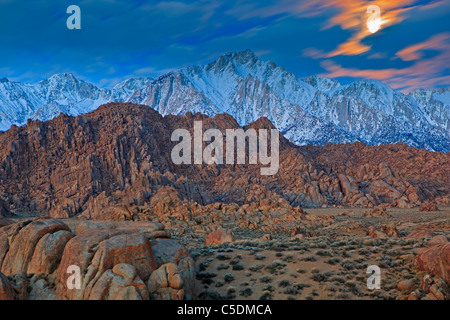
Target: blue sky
122,39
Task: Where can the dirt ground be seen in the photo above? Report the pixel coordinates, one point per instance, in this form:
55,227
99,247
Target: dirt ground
332,265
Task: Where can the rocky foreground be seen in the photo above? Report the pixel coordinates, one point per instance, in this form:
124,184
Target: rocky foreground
118,261
325,258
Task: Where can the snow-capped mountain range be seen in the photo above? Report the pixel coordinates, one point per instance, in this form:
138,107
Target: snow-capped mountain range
311,110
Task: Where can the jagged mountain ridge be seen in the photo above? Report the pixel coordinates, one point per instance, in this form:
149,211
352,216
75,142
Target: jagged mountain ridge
61,93
120,154
312,110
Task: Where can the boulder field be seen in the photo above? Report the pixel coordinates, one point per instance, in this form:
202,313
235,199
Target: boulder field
113,260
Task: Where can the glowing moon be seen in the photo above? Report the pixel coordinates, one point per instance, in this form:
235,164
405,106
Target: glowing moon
374,26
374,21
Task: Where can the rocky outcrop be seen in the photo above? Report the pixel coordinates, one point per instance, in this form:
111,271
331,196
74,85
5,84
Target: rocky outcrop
415,173
436,260
166,283
115,260
219,236
428,206
21,250
114,163
429,288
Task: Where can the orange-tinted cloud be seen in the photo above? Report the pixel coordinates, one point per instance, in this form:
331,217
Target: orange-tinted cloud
424,73
415,52
353,16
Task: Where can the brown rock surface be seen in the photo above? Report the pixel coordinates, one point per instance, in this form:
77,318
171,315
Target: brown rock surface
48,252
6,289
428,206
120,283
104,164
22,248
436,260
115,259
166,283
219,236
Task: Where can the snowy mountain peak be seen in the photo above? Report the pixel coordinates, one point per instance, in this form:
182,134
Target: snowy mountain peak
241,57
322,84
133,83
311,110
61,77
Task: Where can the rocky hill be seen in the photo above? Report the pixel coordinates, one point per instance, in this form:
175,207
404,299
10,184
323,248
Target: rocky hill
107,162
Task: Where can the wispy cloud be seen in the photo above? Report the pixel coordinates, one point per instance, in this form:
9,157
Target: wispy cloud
423,73
121,38
352,15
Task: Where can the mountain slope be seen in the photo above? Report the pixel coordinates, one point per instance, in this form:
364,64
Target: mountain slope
120,154
307,111
311,110
61,93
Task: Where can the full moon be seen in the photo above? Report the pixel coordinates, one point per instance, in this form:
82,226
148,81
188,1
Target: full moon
374,25
374,21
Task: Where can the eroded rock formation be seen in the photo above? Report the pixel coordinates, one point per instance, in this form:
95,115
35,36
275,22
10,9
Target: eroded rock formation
104,163
116,260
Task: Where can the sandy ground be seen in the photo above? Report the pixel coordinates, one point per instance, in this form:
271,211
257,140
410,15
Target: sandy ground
330,266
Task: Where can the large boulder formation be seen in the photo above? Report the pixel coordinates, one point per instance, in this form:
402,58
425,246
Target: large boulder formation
170,252
436,260
21,250
115,260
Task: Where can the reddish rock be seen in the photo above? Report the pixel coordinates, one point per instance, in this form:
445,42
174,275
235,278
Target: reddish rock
420,234
48,252
414,295
168,251
166,283
266,237
79,251
378,212
391,231
133,249
437,291
374,233
429,206
438,240
218,237
387,231
148,228
120,283
101,169
346,186
427,281
406,285
23,246
436,260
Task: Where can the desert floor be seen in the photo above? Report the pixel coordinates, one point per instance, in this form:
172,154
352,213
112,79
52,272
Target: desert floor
331,265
